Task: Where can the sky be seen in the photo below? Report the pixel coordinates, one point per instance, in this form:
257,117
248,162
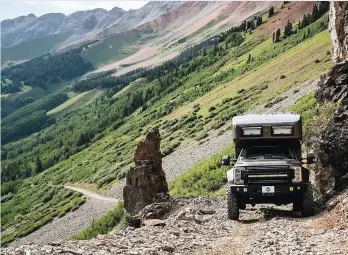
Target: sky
11,9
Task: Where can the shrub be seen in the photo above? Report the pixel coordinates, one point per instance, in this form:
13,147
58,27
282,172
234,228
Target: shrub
212,108
241,91
202,136
221,132
205,178
282,76
104,224
306,108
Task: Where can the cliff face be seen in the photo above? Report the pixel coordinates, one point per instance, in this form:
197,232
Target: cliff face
331,144
339,30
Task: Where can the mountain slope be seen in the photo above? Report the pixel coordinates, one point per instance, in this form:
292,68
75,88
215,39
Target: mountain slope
164,37
93,145
75,28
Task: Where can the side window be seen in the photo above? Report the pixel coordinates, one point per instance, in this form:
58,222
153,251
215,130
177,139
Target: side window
242,154
292,154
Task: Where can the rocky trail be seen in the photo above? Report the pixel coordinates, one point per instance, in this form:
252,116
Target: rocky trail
200,226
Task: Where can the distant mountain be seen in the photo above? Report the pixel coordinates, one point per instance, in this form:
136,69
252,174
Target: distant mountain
117,34
56,31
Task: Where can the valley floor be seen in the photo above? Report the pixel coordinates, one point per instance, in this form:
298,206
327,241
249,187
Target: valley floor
200,226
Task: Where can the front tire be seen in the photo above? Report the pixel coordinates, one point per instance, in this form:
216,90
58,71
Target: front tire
297,204
308,202
232,204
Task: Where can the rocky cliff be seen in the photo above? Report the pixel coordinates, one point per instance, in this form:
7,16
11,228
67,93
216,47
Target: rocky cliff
331,143
339,30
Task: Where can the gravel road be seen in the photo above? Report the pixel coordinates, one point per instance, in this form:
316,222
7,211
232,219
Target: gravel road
90,194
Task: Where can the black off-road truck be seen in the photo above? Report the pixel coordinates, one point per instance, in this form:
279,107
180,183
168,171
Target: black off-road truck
269,167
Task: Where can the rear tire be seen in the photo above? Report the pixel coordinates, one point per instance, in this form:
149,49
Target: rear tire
232,204
308,202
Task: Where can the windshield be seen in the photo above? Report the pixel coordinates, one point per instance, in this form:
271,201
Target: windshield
269,152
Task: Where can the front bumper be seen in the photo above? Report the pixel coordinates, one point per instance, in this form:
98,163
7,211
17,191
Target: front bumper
255,190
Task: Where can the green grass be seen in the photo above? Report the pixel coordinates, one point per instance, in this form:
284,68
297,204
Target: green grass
31,49
130,88
104,224
76,102
294,60
204,179
305,106
35,206
113,48
322,118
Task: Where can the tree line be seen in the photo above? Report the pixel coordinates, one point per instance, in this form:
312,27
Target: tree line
48,69
104,80
30,119
8,87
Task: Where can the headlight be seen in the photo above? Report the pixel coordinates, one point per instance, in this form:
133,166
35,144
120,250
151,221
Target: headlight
298,174
230,175
235,175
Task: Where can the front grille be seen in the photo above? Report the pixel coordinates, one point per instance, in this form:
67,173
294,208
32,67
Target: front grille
267,175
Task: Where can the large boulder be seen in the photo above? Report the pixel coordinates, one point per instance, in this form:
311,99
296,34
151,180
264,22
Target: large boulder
146,182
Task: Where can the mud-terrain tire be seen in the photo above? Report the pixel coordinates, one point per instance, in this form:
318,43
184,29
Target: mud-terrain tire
297,205
232,204
308,202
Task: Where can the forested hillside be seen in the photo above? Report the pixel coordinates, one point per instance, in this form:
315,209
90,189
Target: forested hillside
48,69
186,97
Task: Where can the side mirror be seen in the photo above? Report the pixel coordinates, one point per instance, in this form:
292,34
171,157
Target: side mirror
226,160
310,158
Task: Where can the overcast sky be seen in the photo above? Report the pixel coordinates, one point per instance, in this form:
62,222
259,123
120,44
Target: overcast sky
11,9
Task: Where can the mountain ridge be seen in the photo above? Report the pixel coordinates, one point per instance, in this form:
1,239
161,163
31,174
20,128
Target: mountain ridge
73,23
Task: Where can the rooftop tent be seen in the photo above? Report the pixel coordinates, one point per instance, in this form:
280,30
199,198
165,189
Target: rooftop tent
267,126
278,129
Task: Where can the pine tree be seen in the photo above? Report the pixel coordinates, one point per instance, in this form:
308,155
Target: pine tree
270,12
277,37
315,13
38,165
288,29
259,21
249,58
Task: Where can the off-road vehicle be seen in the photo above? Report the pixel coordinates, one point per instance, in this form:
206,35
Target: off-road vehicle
269,167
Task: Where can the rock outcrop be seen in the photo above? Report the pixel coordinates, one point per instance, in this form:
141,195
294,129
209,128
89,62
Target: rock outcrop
331,144
146,182
339,30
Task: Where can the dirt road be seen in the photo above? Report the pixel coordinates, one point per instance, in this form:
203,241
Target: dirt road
90,194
